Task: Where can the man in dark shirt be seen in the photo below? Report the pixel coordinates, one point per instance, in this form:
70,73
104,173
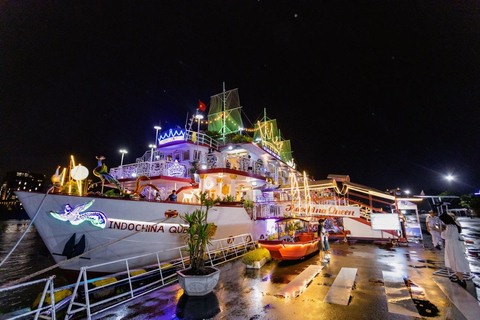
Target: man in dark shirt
173,196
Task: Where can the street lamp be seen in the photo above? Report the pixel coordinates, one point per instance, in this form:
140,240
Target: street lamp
122,151
449,177
151,146
157,128
199,117
240,129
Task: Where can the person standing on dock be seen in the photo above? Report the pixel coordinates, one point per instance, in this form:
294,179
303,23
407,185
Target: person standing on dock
433,226
454,249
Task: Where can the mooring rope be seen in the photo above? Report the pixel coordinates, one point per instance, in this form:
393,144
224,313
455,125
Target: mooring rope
23,279
26,230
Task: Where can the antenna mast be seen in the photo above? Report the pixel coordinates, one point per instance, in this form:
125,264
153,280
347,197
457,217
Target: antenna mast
224,106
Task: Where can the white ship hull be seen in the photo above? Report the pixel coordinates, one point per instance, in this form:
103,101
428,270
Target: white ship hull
152,231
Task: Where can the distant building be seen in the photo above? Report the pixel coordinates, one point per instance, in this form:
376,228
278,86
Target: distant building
19,180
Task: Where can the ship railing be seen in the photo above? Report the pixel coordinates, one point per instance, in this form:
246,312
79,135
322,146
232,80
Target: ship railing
201,138
41,310
267,210
94,296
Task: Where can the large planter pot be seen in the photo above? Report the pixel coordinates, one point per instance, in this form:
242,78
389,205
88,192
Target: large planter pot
198,285
257,264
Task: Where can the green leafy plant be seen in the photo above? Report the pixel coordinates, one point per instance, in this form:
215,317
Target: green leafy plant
112,193
199,233
228,198
248,204
256,255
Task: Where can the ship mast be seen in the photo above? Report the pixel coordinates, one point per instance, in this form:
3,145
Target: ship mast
224,118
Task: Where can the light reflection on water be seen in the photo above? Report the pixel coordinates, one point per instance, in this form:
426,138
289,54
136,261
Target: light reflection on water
30,256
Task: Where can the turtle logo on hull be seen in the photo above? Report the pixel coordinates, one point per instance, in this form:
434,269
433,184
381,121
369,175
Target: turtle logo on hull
78,214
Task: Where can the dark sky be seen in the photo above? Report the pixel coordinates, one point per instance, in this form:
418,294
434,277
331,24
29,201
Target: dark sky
385,91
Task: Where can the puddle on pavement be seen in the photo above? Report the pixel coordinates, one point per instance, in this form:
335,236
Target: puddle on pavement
424,307
376,282
387,247
340,252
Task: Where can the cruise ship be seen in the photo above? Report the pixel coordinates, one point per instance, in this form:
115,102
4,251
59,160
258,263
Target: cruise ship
247,169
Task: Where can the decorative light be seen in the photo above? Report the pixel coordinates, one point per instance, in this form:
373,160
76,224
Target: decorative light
79,172
170,136
79,214
176,170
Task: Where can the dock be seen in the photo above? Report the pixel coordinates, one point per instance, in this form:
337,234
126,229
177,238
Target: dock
377,282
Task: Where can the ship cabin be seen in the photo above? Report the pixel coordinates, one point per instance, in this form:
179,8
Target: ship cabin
192,162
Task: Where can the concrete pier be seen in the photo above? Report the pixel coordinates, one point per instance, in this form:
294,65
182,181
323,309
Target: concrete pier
253,294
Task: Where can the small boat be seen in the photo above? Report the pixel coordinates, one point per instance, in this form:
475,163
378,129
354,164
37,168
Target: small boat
295,239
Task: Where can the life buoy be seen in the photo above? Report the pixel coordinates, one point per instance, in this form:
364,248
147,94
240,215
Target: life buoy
230,240
171,213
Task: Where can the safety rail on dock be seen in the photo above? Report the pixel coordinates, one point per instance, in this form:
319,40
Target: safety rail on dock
41,310
90,300
96,295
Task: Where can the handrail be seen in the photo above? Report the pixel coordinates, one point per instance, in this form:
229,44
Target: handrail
50,309
155,276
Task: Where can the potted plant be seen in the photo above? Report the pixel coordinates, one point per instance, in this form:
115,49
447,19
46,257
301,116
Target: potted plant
255,259
198,279
248,205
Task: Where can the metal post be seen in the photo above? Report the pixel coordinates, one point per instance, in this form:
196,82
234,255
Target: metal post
129,279
87,298
160,269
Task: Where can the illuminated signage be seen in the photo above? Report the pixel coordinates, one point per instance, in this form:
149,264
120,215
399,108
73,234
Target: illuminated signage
176,170
171,136
322,210
143,226
79,214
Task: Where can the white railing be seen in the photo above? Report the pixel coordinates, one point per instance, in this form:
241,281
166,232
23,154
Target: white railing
268,210
41,310
96,295
90,300
201,139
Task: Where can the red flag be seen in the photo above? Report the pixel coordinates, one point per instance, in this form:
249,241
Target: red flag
201,106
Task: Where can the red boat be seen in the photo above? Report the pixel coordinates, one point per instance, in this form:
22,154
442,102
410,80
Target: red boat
294,240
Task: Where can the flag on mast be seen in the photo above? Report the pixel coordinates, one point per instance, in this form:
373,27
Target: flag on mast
201,106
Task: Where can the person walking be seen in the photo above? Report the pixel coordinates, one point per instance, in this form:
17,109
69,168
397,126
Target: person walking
434,227
454,249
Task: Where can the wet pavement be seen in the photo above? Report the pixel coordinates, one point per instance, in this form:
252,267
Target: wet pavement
253,294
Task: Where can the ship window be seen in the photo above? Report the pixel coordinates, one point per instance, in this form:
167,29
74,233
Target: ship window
177,156
196,155
186,155
169,157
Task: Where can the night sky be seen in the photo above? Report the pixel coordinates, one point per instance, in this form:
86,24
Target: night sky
387,92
